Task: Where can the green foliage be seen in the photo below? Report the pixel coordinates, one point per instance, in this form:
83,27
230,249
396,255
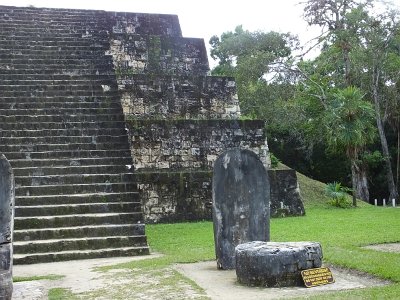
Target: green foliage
338,195
32,278
61,294
274,160
255,60
349,122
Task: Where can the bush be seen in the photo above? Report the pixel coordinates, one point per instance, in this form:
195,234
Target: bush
338,195
274,161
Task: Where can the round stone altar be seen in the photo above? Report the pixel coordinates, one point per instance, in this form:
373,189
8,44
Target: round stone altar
272,264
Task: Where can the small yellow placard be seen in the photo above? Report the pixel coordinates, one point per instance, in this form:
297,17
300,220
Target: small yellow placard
317,276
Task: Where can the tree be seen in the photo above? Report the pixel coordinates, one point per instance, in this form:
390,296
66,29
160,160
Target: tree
349,127
255,60
359,46
379,55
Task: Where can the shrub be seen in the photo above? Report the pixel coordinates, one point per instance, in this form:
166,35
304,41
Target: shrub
338,195
274,161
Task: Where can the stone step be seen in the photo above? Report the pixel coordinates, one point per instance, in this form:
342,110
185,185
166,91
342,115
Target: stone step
50,56
55,68
77,198
29,163
79,254
31,62
60,119
110,97
88,243
30,41
75,189
76,209
18,55
76,220
60,147
55,48
64,132
52,34
68,154
39,92
95,80
63,139
98,169
62,70
40,105
70,179
81,231
61,111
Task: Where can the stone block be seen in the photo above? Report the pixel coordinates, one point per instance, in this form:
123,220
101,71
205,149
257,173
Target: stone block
271,264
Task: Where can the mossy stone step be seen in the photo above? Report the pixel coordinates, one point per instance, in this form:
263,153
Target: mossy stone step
63,147
68,189
71,179
67,154
87,243
79,232
97,197
31,163
77,254
81,208
76,220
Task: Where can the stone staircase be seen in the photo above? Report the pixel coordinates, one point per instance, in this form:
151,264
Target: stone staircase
63,130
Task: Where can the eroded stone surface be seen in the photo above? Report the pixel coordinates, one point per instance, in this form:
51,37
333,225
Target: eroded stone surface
240,203
6,227
276,264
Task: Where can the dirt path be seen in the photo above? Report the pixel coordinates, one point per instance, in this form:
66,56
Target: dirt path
79,276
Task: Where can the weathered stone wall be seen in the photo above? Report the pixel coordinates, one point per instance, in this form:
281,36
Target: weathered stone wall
192,144
179,97
185,195
285,193
175,196
137,54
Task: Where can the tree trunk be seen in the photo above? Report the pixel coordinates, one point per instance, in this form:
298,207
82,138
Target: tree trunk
393,193
359,181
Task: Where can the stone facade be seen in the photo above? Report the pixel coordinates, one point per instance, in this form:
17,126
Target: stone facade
191,144
178,119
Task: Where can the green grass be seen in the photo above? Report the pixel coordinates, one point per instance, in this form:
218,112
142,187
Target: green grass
61,294
32,278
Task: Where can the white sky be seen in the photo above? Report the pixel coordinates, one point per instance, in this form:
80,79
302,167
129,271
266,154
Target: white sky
205,18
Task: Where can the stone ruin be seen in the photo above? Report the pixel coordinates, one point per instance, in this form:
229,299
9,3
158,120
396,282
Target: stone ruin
6,227
110,121
241,196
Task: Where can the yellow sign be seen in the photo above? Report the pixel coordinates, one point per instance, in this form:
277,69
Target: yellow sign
317,276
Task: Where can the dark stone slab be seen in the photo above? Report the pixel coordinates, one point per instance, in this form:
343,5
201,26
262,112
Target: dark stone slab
6,227
276,264
240,203
285,194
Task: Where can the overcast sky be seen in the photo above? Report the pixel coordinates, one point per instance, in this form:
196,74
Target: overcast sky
205,18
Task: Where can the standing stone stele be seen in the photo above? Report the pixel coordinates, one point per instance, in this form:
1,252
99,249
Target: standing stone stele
7,193
241,195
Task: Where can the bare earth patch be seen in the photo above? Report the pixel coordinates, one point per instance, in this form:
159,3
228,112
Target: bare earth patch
390,247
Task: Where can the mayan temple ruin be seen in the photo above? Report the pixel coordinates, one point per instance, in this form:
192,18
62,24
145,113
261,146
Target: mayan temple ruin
109,121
